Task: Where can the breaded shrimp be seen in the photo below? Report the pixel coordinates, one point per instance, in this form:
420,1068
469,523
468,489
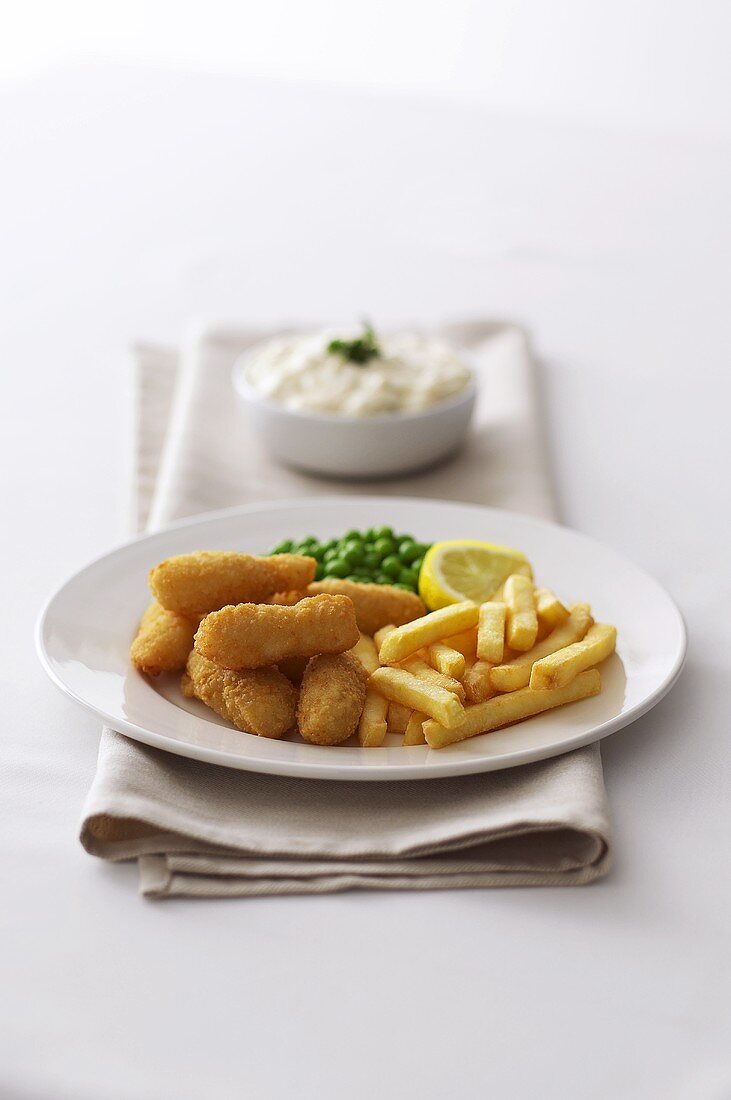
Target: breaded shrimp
376,605
260,700
332,698
163,641
196,584
253,635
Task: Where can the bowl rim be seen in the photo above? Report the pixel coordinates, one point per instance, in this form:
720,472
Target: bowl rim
251,394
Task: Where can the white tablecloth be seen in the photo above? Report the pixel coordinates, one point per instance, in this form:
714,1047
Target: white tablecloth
136,202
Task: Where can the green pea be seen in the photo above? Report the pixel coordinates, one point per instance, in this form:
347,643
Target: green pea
409,577
354,544
384,532
371,560
364,578
331,544
406,587
423,547
336,567
382,578
319,572
283,547
353,556
384,546
408,551
391,566
370,534
351,534
353,577
315,552
330,554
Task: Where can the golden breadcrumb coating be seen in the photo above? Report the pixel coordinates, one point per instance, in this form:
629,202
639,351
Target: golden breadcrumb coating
376,605
254,635
332,698
163,641
196,584
287,599
260,700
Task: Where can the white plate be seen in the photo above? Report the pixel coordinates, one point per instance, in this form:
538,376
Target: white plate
85,630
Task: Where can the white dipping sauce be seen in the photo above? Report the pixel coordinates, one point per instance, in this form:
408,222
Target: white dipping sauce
412,373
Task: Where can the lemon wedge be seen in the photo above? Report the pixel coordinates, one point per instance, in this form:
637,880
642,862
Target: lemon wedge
466,569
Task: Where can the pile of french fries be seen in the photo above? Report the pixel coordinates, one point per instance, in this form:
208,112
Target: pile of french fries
468,669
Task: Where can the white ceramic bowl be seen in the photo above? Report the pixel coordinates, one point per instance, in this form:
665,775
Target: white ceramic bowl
357,447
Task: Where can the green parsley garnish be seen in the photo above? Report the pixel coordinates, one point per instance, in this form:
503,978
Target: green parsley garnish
360,350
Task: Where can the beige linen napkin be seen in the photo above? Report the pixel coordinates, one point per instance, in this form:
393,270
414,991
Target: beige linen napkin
199,830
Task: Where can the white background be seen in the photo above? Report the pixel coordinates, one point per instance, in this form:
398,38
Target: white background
662,62
566,165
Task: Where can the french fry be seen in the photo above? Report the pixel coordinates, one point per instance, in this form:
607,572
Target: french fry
398,717
516,674
366,652
446,660
503,710
379,636
551,612
423,671
491,632
560,668
465,643
522,624
414,734
434,627
372,727
399,686
477,684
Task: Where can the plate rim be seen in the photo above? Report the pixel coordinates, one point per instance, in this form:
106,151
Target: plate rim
441,768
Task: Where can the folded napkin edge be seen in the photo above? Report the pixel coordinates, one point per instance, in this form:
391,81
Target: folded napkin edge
157,882
101,836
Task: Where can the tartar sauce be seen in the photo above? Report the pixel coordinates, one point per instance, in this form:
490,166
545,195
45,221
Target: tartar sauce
410,373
